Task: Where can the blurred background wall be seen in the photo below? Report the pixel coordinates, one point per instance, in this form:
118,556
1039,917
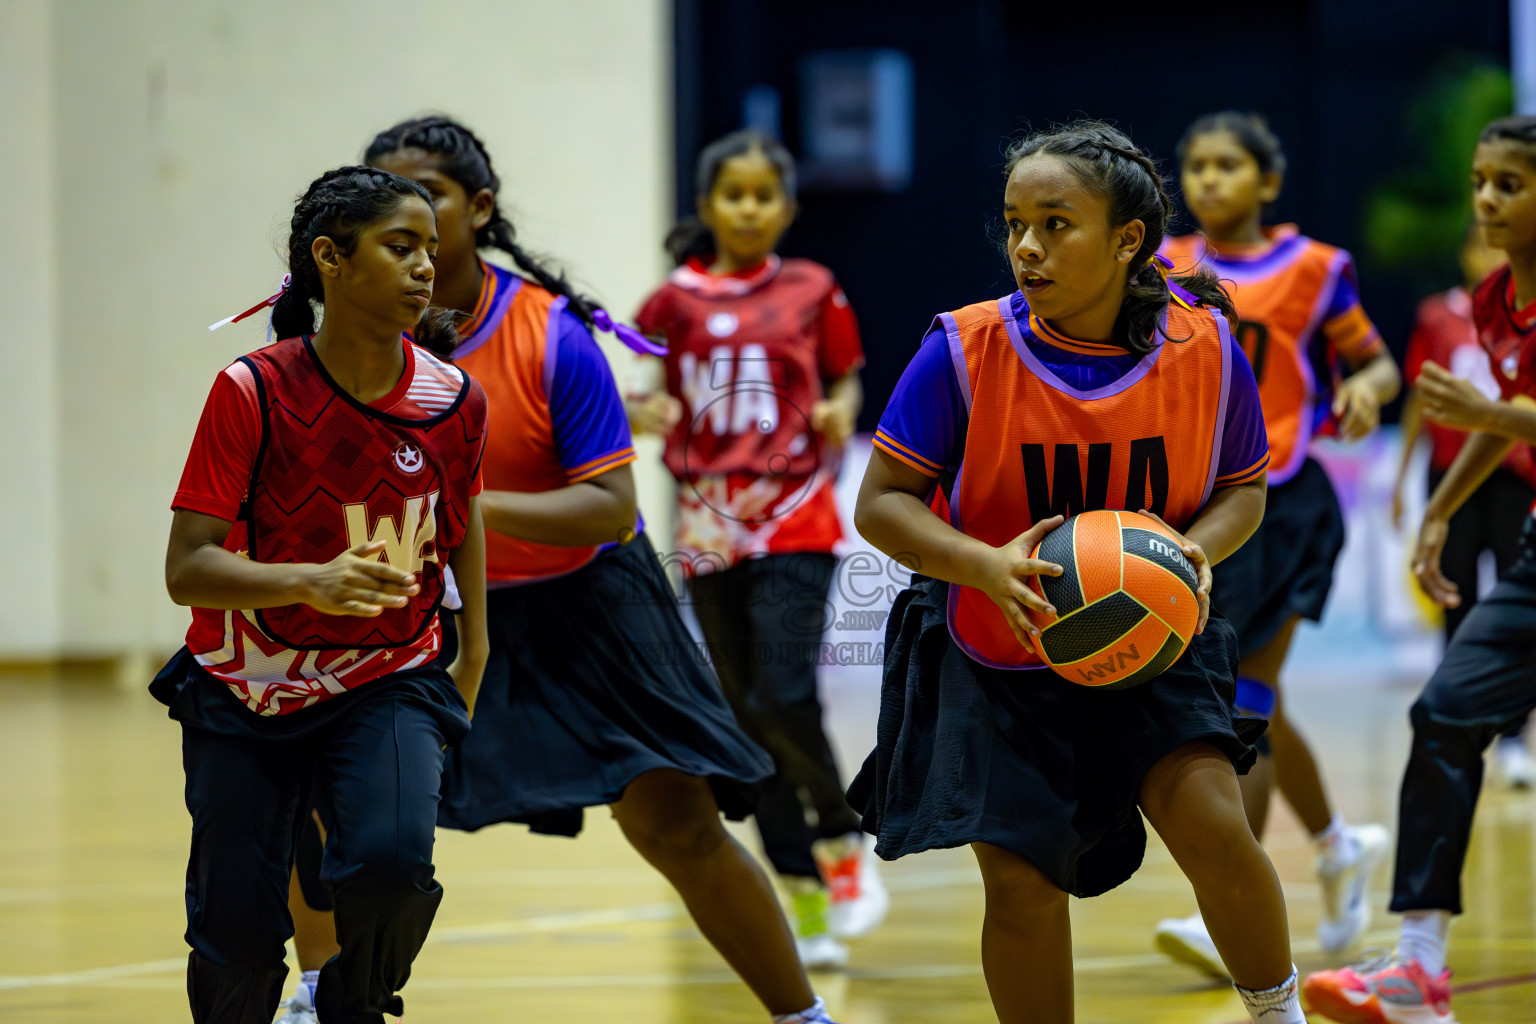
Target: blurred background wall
152,152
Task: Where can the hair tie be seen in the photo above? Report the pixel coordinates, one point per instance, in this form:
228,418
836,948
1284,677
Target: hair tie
1162,264
632,338
1183,296
263,304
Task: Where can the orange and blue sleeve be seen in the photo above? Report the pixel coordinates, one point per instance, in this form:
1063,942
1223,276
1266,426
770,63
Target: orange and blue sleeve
590,428
924,423
1244,451
1348,329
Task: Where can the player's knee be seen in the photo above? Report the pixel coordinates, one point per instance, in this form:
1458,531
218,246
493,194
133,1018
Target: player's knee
1013,884
395,860
674,817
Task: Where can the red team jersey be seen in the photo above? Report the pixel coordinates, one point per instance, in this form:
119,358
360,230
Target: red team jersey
1298,310
1507,334
747,354
1443,333
1020,423
303,472
556,415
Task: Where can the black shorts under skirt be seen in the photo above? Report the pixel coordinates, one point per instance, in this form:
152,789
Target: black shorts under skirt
1025,760
1285,569
593,680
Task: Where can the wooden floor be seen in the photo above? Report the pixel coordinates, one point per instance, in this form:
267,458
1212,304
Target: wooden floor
93,840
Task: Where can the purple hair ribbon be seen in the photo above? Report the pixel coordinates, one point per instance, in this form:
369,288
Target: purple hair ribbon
1183,296
631,338
263,304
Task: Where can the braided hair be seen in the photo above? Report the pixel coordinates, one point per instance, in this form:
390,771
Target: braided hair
463,157
338,205
690,237
1109,165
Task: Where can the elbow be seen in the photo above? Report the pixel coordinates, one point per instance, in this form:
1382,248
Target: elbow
625,515
176,585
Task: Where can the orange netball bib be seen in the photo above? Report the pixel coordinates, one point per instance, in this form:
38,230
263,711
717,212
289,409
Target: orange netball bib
1036,446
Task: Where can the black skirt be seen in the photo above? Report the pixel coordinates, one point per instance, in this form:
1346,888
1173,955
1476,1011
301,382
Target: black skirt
1285,570
1025,760
592,681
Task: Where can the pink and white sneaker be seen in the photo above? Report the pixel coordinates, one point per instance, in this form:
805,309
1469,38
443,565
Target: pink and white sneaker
1383,991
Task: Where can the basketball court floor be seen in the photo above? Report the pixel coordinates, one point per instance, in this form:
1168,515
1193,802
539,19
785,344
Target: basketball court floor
93,843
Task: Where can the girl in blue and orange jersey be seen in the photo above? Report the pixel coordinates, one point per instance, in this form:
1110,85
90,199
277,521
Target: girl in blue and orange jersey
762,380
1299,317
331,485
1046,780
591,695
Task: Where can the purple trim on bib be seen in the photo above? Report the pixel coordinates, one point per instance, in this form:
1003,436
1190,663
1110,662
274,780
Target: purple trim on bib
957,357
552,343
493,316
1045,373
1221,406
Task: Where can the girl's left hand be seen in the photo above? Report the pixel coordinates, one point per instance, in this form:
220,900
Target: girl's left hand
1196,555
833,420
1357,408
465,672
1451,401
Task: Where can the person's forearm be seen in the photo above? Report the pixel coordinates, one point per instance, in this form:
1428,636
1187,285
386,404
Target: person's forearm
1382,376
1479,457
1515,421
1411,426
900,525
1228,519
573,516
848,392
208,576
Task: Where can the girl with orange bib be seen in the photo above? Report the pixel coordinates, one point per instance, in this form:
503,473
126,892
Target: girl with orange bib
979,744
1299,318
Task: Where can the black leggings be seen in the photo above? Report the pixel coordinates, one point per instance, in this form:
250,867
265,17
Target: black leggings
1486,682
763,620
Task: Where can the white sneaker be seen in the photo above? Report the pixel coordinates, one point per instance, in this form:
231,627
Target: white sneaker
821,952
1186,940
859,898
301,1008
1346,910
1516,767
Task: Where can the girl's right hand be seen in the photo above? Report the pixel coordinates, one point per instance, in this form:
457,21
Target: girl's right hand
655,413
1426,563
356,583
1004,576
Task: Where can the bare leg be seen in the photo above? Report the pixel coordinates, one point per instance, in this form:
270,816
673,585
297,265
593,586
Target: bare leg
673,821
314,931
1191,797
1295,769
1256,788
1026,941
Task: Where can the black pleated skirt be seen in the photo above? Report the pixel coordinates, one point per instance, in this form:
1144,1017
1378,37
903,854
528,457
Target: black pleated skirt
592,681
1025,760
1285,569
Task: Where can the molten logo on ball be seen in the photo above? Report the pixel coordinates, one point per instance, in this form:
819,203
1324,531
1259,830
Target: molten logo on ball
1125,601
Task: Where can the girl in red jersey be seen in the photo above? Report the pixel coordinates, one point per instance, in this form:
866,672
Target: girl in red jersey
331,484
1488,676
762,391
1299,316
589,698
1046,780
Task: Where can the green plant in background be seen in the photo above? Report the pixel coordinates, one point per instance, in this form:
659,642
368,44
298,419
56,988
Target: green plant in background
1415,219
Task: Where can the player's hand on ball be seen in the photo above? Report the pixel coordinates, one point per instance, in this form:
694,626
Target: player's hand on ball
1196,555
1426,564
355,582
1006,575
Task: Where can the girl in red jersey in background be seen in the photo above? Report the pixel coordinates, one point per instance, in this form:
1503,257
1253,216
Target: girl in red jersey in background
1299,315
1491,518
762,392
1487,679
589,698
331,483
1046,780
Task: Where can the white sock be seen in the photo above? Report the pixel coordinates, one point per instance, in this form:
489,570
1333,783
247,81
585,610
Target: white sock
817,1011
1423,939
1337,842
311,979
1278,1005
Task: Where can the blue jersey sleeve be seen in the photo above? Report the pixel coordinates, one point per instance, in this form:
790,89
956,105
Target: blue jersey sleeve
1244,451
591,430
924,423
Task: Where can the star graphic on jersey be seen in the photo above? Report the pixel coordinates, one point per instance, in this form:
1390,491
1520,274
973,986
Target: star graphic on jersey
389,655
